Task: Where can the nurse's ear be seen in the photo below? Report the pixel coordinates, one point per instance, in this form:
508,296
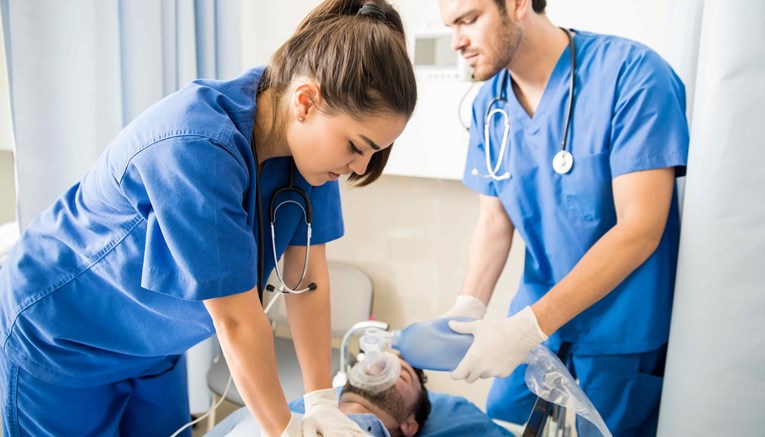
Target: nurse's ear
305,99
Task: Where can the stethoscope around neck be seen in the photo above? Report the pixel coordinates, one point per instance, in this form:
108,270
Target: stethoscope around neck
562,161
273,208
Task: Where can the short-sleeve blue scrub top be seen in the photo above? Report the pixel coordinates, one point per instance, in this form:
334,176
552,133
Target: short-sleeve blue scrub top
111,278
629,116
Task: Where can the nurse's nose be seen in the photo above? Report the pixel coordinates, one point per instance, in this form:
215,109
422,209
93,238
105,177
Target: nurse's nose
359,164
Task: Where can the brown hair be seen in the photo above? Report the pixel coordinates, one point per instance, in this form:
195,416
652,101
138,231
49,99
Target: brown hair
359,60
422,406
538,5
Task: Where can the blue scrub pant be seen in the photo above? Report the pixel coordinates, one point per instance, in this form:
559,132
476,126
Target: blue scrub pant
155,404
625,389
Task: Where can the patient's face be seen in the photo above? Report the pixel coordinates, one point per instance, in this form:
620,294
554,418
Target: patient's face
392,406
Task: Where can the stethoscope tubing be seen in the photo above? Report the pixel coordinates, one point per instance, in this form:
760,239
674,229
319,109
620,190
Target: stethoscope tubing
493,171
493,109
306,212
272,209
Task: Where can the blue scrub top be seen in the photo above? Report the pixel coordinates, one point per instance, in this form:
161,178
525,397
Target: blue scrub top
112,276
629,115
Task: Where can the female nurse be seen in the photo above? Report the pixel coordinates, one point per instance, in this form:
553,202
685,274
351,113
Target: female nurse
157,247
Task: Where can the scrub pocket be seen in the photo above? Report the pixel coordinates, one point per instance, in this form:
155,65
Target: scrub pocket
514,193
587,188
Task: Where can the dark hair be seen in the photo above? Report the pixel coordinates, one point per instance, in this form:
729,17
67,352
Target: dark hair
359,60
538,5
422,405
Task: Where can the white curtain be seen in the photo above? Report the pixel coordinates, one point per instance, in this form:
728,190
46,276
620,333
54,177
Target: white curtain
80,70
715,376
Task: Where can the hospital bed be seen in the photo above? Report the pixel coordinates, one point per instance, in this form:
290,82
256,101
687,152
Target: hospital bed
450,415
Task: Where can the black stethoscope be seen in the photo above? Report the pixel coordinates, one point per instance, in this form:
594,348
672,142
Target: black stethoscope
273,207
562,161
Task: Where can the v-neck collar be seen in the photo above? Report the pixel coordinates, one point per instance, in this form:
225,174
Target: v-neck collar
561,73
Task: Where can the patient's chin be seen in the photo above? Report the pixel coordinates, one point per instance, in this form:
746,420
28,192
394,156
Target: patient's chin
388,400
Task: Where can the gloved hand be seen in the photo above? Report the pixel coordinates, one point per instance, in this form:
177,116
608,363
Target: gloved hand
466,306
293,429
499,346
322,416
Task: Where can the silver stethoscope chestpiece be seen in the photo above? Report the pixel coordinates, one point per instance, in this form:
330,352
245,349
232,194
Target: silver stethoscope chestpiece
562,162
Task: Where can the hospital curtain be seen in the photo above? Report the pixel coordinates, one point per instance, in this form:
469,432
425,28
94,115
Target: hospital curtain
715,375
80,70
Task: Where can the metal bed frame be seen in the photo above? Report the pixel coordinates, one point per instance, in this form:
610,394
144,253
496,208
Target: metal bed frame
548,419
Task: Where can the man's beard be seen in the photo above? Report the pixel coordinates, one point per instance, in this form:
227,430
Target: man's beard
388,400
507,43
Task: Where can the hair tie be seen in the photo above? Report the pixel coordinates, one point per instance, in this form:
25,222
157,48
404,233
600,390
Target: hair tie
372,9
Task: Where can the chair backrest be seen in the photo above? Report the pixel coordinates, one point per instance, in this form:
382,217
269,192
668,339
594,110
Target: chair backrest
351,294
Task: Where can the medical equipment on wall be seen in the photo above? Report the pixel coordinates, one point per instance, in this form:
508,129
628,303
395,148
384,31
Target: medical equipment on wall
434,58
562,161
434,143
379,368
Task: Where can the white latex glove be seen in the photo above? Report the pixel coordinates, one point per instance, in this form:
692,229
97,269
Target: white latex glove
466,306
499,346
293,429
323,417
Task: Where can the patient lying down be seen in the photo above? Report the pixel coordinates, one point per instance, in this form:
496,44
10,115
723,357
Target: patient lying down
400,410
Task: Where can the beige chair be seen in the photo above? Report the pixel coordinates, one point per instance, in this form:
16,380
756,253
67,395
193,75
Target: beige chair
351,294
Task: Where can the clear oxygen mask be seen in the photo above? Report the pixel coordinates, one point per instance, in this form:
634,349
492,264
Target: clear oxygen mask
379,368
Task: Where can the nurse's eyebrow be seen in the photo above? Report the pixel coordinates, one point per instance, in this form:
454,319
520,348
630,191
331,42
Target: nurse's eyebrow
371,143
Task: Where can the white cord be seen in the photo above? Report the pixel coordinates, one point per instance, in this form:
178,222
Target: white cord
228,384
213,408
273,300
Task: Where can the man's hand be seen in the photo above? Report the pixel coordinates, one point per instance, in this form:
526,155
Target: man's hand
323,417
466,306
499,346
